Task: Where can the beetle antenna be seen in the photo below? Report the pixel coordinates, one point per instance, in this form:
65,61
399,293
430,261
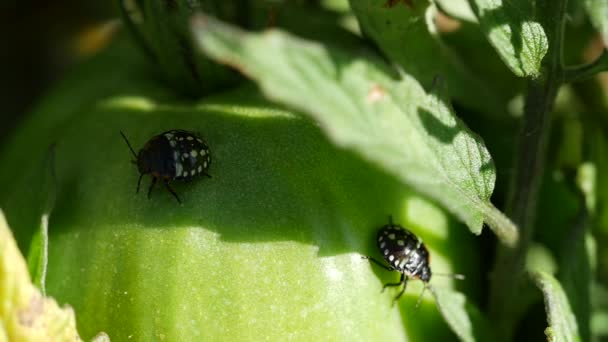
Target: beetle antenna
128,144
451,275
390,219
427,285
420,298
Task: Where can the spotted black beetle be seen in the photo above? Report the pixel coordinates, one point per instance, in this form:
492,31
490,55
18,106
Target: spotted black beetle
172,155
405,254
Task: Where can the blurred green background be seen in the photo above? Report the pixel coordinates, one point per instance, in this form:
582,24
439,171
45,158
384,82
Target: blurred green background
41,40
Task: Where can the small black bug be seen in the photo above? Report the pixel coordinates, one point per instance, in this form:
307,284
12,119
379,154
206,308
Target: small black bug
405,254
172,155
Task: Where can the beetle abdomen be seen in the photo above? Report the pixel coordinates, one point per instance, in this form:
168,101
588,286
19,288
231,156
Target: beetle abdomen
189,154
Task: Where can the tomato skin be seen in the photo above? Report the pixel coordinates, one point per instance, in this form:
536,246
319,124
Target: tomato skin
269,247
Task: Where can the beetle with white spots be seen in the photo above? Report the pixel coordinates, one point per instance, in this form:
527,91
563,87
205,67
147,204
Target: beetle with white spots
406,254
172,155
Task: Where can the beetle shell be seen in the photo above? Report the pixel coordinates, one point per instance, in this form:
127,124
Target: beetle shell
191,155
175,154
172,155
404,251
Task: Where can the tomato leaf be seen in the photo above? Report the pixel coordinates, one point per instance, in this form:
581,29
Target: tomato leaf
561,320
387,118
465,320
511,28
407,36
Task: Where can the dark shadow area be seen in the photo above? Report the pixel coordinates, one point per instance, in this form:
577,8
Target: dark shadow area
437,129
532,326
425,319
485,63
562,207
38,39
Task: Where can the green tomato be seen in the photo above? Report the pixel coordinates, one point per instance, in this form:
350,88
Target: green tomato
268,248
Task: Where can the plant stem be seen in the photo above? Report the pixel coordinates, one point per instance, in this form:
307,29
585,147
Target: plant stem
580,73
507,276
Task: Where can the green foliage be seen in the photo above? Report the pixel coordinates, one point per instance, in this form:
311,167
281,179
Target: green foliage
408,37
161,29
394,123
513,30
358,110
562,323
464,318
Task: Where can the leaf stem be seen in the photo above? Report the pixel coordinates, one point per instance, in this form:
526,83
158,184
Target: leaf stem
502,226
507,279
586,71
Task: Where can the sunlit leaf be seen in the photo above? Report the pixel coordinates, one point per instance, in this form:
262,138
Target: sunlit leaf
561,320
465,320
511,28
361,106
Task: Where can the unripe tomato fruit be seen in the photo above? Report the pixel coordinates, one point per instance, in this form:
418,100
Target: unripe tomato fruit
268,248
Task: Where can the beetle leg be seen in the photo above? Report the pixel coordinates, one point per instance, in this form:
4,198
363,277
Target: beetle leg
401,281
139,182
151,186
404,281
420,298
171,191
388,268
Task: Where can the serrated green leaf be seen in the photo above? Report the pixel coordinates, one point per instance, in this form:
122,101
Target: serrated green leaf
465,320
408,37
394,123
561,320
26,315
511,28
598,13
